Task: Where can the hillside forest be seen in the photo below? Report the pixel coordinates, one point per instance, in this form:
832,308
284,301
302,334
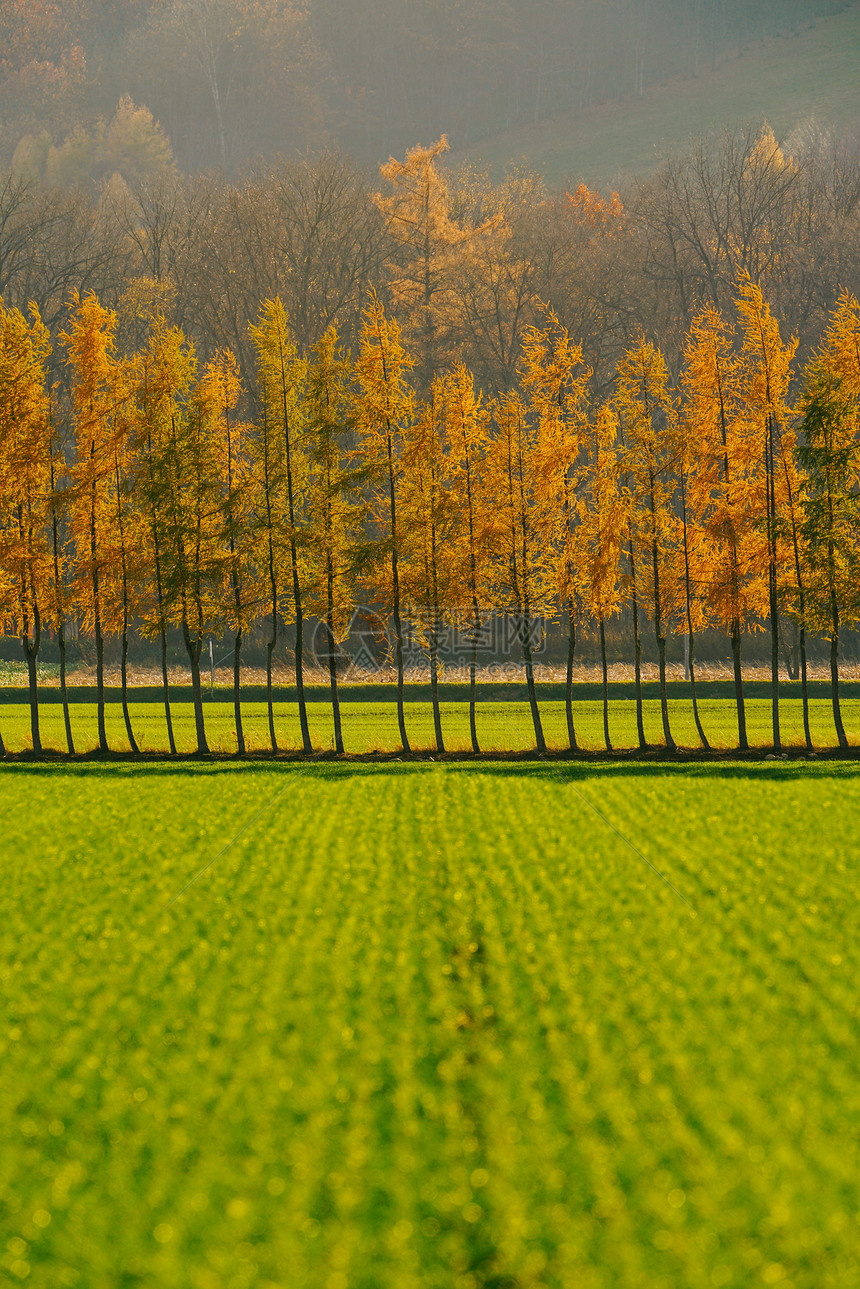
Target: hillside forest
233,80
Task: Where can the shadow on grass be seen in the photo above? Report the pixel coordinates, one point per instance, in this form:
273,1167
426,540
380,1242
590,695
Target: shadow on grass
563,768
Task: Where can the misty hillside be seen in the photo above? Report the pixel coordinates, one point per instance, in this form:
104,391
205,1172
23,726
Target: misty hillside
231,80
789,81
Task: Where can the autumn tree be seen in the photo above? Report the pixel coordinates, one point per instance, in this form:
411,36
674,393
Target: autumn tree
25,489
231,436
383,408
429,515
282,375
765,374
556,379
98,397
645,407
335,508
431,246
191,501
602,520
162,375
466,434
830,453
722,486
688,603
522,531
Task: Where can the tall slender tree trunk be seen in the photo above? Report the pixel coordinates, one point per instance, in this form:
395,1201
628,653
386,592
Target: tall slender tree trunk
132,741
804,685
159,589
194,646
473,686
2,745
568,691
696,717
300,669
31,653
525,639
770,480
434,639
64,692
834,673
332,658
689,614
395,594
637,648
237,598
294,561
270,649
61,620
237,692
100,681
97,620
434,682
165,685
739,684
271,643
476,617
605,669
658,621
735,629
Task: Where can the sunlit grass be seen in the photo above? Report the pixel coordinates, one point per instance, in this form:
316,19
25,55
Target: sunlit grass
320,1026
369,727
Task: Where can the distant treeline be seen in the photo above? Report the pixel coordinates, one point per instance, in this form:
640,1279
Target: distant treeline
231,80
320,233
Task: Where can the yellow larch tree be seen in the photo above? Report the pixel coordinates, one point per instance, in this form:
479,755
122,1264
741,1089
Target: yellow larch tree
556,381
26,572
384,402
601,524
728,564
522,531
466,435
765,375
431,245
162,375
645,406
282,374
830,456
429,514
239,592
336,507
99,392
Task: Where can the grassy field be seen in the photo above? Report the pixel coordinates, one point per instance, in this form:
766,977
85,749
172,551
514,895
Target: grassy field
788,80
420,1026
369,727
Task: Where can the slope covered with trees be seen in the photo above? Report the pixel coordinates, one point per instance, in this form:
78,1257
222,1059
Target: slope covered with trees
231,80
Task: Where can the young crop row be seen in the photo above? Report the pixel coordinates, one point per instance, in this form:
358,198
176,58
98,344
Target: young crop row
429,1026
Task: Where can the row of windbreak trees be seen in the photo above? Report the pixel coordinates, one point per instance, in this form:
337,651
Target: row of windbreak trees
144,497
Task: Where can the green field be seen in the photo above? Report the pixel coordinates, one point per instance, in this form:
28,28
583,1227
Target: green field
415,1026
787,81
502,726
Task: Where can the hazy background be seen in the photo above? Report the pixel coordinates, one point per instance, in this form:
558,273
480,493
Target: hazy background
230,81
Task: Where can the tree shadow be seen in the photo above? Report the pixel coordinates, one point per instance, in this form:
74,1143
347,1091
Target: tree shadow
562,768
